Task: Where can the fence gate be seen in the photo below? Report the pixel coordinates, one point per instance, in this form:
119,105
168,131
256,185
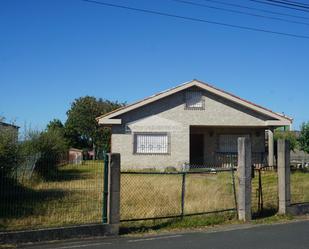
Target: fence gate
264,191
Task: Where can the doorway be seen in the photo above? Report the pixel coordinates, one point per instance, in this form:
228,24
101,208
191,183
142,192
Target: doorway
196,149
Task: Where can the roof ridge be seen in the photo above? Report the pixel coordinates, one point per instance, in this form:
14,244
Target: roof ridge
188,83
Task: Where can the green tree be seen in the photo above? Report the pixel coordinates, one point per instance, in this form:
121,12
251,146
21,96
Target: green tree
81,127
55,124
287,135
304,137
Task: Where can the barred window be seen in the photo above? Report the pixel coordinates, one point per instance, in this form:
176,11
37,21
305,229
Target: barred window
151,143
228,143
194,100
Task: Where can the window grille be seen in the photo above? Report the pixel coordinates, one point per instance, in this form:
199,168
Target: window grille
228,143
194,100
151,143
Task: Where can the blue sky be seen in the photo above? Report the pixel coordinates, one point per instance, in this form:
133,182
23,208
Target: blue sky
53,51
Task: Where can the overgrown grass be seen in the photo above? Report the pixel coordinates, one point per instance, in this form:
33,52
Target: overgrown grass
269,198
300,186
146,196
74,196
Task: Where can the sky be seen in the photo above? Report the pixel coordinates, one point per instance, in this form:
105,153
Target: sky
53,51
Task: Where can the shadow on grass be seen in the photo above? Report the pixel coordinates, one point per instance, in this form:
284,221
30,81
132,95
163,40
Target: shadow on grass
265,213
18,201
62,175
176,223
142,227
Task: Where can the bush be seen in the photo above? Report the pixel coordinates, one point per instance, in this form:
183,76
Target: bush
8,152
304,137
170,169
287,135
51,145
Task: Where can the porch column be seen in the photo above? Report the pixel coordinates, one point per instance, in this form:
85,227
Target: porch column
271,147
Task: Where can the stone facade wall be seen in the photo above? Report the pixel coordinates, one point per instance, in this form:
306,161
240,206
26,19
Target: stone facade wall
170,115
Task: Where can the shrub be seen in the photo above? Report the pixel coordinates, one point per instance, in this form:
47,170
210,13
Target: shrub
51,145
8,152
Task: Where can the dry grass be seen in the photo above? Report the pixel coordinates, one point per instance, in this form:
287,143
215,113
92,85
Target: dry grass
299,187
160,195
75,196
269,181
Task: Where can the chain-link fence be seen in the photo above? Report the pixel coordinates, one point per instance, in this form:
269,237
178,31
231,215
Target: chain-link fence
44,194
299,186
153,195
264,191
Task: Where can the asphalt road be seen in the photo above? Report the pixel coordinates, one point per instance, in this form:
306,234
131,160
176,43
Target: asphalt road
284,236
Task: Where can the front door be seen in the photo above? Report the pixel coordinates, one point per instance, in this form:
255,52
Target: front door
197,149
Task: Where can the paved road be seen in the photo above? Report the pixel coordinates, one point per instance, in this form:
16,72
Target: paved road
284,236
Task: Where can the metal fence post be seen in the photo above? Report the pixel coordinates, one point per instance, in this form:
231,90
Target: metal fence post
234,189
183,192
244,176
105,186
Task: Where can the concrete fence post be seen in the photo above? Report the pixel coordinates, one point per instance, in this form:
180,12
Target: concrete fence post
113,204
284,191
244,178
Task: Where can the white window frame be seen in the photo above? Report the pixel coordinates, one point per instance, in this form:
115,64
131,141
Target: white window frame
194,105
147,151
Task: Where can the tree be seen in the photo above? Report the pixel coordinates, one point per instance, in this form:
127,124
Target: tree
304,137
81,127
287,135
54,125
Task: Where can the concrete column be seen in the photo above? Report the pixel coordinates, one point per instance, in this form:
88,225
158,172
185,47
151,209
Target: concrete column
284,175
113,205
271,147
244,177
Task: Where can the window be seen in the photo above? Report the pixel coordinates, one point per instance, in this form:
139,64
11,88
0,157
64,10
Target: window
194,100
228,143
151,143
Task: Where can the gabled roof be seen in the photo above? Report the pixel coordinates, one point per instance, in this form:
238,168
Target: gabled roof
186,85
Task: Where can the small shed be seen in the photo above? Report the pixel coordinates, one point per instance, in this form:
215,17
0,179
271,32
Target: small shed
75,156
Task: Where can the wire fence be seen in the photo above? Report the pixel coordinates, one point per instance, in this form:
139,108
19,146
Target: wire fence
299,186
47,194
157,195
264,191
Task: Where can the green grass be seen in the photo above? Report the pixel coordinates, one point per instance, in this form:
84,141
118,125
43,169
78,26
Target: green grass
191,222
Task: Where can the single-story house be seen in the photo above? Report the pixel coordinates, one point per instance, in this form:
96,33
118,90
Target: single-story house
193,123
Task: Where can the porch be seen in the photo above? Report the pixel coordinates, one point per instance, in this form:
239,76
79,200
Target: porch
215,147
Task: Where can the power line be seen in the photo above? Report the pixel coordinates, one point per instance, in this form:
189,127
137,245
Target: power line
257,9
294,4
196,19
278,5
240,12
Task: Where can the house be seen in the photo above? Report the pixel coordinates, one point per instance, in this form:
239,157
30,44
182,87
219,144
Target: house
193,123
11,128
